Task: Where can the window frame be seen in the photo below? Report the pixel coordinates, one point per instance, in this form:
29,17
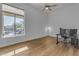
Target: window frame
15,35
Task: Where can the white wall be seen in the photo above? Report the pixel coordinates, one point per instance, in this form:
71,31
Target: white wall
34,25
66,16
0,20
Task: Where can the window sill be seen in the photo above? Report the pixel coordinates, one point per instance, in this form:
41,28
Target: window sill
13,36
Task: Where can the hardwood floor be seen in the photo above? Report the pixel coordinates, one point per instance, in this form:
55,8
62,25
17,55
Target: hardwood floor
40,47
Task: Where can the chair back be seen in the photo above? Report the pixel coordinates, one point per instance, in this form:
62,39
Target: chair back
73,32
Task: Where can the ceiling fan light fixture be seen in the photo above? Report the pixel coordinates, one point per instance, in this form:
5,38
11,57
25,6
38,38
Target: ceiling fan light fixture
49,7
46,8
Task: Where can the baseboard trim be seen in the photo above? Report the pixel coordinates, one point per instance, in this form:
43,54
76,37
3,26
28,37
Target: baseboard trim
30,39
54,36
24,41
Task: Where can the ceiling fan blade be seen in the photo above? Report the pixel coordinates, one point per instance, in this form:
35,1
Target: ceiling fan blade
53,5
50,9
48,6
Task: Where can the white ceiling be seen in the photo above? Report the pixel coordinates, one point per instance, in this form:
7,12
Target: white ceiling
40,6
43,4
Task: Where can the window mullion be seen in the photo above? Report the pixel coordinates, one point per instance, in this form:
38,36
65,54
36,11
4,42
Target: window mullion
14,25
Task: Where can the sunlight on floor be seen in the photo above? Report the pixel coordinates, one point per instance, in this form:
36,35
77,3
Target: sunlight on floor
21,49
15,51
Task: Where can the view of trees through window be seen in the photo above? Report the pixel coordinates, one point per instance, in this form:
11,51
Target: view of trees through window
13,24
19,25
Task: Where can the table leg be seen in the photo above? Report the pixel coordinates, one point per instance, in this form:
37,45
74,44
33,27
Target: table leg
57,39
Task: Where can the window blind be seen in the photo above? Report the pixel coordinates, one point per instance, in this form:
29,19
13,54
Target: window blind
14,10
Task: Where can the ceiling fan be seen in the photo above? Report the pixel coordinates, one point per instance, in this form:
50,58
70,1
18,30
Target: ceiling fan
49,7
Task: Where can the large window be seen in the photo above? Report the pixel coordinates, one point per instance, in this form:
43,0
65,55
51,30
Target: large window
13,21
